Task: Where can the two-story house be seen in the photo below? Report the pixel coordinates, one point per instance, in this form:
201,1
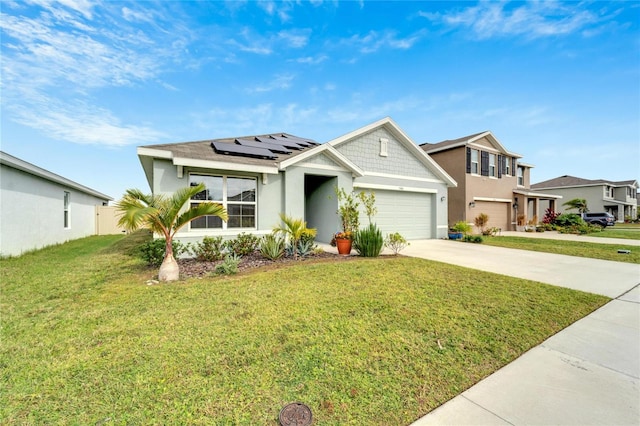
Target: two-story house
491,180
620,198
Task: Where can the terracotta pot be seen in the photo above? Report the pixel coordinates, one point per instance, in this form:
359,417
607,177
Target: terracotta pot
344,245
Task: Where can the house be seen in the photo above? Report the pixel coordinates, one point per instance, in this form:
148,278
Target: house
491,180
258,177
620,198
39,208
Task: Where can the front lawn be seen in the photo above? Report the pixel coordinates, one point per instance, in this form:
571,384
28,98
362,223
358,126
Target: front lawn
628,231
569,248
367,341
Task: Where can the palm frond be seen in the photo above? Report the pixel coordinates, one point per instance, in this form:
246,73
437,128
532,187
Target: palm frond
206,208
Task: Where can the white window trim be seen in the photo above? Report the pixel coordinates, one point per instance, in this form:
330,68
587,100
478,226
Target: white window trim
225,203
384,146
495,166
477,173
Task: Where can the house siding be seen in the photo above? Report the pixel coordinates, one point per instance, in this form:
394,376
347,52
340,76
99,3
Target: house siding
32,212
365,153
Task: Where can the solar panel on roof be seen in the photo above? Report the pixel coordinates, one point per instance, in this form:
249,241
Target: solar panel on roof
285,143
287,139
280,149
246,151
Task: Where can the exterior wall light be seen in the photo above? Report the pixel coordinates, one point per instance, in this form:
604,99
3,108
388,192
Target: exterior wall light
472,204
443,198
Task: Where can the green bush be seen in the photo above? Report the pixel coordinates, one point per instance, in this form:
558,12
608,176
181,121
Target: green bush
395,242
568,219
368,241
272,247
472,239
229,266
152,252
243,245
461,226
209,250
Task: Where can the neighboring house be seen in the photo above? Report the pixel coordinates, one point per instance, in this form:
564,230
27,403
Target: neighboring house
39,208
258,177
490,179
620,198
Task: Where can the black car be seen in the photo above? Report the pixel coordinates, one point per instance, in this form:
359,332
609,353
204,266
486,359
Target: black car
602,219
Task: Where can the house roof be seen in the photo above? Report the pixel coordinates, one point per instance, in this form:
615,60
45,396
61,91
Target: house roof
18,164
204,154
207,153
431,148
567,181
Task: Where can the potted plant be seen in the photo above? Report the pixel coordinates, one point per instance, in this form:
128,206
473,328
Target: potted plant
349,218
459,229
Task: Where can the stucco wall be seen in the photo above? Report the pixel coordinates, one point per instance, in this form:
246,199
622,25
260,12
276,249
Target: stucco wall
32,212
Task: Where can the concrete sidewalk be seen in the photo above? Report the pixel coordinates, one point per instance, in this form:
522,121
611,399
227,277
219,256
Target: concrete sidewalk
588,373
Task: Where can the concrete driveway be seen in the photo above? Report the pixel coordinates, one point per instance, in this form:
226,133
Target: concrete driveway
588,373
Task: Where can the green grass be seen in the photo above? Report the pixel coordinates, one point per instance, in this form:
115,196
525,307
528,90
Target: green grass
367,341
569,248
629,231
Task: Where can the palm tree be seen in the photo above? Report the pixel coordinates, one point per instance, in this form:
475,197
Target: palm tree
579,204
295,230
164,215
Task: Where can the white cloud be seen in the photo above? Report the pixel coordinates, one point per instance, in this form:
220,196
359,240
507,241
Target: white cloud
530,19
55,56
312,60
279,82
295,38
81,123
374,41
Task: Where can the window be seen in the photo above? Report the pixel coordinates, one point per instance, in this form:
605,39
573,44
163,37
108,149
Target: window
67,204
507,166
608,191
237,195
475,165
520,175
492,165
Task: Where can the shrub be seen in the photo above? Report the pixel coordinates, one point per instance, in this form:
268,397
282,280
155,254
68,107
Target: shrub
229,266
569,219
209,250
272,247
461,226
243,245
152,252
481,221
550,216
368,241
395,242
472,239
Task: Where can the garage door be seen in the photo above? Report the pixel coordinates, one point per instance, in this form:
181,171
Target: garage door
497,212
408,213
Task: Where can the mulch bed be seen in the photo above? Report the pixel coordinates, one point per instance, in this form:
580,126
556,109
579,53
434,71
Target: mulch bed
191,268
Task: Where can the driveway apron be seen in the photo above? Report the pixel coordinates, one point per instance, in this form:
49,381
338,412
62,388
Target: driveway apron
587,374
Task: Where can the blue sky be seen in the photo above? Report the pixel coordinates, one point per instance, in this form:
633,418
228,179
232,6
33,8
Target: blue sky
85,82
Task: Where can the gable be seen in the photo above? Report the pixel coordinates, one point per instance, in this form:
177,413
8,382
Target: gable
486,143
322,161
364,151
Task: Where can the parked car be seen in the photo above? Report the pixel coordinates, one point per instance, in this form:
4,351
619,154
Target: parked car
602,219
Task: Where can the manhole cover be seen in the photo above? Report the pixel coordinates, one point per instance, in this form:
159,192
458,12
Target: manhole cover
295,414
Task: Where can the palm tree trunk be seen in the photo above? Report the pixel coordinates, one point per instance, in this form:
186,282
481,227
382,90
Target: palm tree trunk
169,270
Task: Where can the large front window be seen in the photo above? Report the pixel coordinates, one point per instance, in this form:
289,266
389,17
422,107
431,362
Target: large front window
236,194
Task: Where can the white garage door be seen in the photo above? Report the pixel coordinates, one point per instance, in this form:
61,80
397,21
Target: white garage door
497,212
408,213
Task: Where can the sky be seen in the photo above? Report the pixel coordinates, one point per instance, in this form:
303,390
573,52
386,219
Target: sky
84,83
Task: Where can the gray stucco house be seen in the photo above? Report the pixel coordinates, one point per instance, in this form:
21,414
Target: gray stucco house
258,177
39,208
620,198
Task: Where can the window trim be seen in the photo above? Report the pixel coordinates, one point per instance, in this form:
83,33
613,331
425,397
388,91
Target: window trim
225,202
520,175
493,168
